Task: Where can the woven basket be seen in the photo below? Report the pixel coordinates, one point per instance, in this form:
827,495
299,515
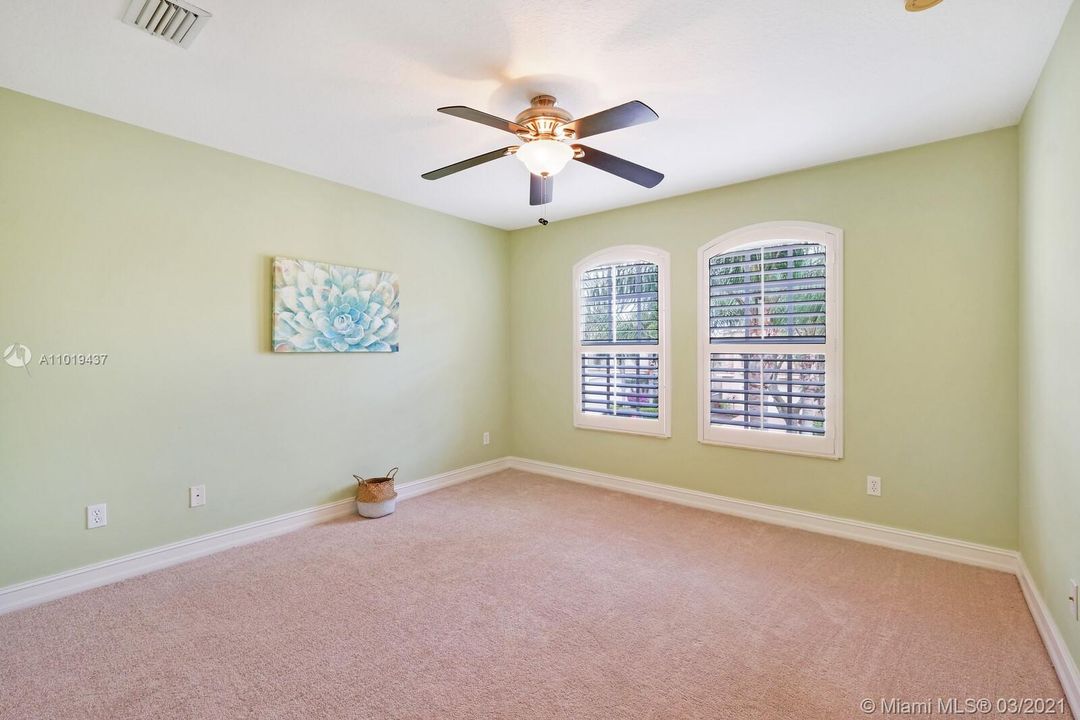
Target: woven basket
375,496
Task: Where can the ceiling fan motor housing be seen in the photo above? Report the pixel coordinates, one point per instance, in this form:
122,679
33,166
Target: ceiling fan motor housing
544,120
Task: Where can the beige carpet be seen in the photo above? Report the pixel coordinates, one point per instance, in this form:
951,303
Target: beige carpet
516,596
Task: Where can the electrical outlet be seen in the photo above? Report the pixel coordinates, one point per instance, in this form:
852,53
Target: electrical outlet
96,516
487,438
873,485
1074,600
197,495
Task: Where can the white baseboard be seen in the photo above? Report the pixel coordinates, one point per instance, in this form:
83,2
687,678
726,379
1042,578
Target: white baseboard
1059,653
923,544
34,592
451,477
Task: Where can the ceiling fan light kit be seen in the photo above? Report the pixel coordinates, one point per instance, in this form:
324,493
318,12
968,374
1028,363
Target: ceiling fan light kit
545,157
547,133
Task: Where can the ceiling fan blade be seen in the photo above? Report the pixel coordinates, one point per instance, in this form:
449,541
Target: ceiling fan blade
467,113
617,166
541,189
634,112
466,164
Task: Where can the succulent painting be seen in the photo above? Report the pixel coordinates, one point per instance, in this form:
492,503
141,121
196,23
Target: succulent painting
320,307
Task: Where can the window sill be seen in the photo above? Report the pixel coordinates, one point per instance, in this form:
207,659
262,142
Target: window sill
831,455
659,432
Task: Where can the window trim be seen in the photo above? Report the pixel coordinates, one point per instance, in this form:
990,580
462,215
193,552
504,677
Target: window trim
661,427
831,446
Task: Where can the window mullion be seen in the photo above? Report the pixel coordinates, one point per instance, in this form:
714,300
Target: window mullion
760,359
772,348
611,302
623,348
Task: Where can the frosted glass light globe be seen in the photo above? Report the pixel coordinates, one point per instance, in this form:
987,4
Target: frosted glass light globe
545,157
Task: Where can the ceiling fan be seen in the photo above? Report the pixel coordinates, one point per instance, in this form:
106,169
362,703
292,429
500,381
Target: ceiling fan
547,133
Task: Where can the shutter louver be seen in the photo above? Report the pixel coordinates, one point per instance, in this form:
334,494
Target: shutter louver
779,393
772,294
620,305
622,385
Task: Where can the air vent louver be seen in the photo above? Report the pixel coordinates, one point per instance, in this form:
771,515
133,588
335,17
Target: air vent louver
174,21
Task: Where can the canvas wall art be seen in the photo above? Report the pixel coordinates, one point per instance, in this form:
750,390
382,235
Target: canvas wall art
320,307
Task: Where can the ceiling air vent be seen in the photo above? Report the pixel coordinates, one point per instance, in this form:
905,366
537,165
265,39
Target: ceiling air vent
174,21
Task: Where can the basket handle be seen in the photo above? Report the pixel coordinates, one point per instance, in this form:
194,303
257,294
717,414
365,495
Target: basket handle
389,474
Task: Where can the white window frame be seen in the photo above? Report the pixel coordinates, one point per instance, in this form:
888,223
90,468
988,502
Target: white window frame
661,427
831,445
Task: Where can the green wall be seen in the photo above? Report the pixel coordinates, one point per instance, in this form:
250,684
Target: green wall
1050,329
156,251
930,339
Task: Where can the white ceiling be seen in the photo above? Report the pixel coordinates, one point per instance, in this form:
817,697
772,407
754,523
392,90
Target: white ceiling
347,90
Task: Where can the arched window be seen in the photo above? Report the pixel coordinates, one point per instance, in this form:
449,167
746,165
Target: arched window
621,343
769,335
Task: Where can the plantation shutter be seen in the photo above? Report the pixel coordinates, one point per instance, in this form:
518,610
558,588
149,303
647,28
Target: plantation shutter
619,340
773,295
